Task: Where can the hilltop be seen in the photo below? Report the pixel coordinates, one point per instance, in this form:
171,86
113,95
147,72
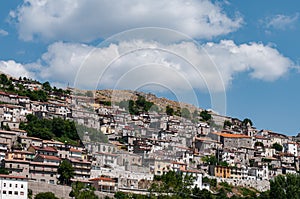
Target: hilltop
116,96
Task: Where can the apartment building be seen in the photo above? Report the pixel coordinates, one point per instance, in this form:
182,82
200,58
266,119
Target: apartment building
13,187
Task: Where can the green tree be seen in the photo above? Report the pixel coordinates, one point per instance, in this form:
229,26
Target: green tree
211,160
169,110
222,194
195,114
203,194
227,123
264,195
277,147
177,184
132,108
66,172
81,191
120,195
259,144
154,108
89,94
285,187
45,195
186,113
3,79
124,104
57,128
247,121
29,193
4,171
211,182
205,116
47,86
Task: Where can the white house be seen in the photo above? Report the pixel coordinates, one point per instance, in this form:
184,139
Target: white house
13,187
291,148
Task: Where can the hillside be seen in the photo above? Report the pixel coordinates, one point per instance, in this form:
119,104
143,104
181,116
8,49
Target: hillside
116,96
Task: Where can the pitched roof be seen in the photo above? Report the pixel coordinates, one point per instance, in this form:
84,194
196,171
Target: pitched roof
229,135
49,157
102,179
75,150
9,176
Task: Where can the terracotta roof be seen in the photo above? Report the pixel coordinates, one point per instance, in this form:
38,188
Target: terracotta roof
50,149
43,164
50,157
261,137
52,142
205,139
103,179
24,152
9,176
16,160
229,135
79,160
180,163
8,132
75,150
32,138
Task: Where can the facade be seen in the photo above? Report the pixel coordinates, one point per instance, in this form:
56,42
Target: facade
220,171
13,187
104,184
235,140
82,168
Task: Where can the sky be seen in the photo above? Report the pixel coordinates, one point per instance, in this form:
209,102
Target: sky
239,58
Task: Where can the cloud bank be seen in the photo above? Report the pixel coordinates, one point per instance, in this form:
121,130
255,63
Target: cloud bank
128,64
83,20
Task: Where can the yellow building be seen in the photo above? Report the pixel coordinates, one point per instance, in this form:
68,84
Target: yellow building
223,172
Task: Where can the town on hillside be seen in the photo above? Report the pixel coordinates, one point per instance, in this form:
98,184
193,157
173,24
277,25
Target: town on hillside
122,141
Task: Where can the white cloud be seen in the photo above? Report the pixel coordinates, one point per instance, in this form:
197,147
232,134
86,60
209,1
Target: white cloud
82,20
180,66
3,32
281,21
14,69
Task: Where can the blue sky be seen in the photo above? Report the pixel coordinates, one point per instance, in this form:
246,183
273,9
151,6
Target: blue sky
246,51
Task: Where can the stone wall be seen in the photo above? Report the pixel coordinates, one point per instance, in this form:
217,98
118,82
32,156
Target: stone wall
59,190
260,185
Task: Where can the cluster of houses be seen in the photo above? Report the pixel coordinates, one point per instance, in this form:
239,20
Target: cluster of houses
140,146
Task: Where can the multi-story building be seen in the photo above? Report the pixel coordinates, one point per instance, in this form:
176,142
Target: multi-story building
230,140
82,168
291,148
44,168
13,187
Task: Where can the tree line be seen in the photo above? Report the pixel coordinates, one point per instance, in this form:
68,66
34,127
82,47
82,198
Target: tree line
59,129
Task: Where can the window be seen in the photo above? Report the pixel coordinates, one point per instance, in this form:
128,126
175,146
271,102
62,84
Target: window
22,185
4,184
9,185
16,185
10,192
4,191
16,192
22,193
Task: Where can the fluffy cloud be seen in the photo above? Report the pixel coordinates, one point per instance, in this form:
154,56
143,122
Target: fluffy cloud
281,22
15,69
180,66
82,20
